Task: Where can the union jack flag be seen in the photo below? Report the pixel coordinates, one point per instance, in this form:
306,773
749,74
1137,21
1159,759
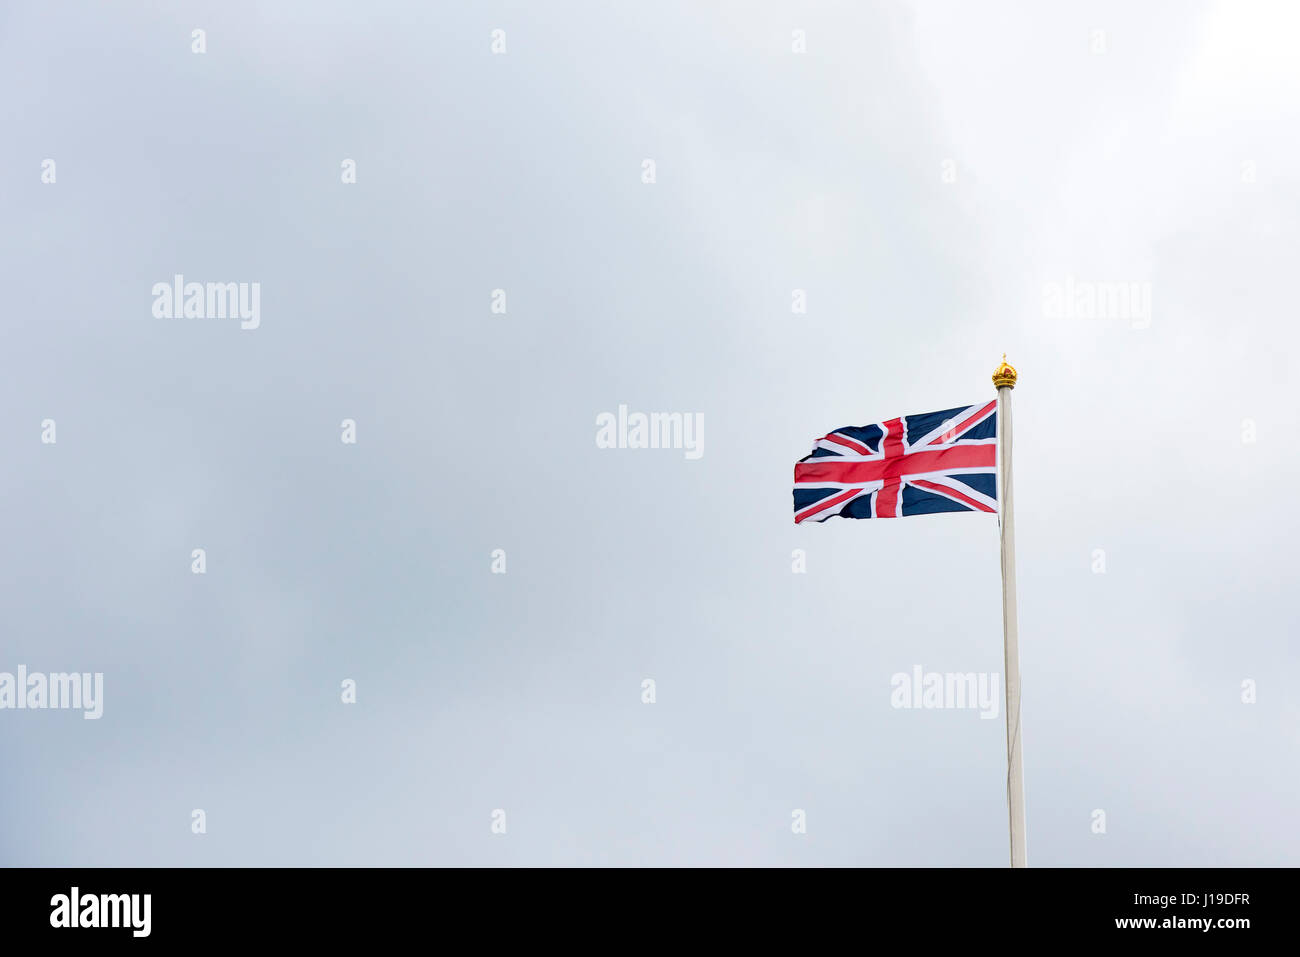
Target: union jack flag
913,465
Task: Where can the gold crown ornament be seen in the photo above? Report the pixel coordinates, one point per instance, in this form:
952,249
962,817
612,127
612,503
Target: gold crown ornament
1005,375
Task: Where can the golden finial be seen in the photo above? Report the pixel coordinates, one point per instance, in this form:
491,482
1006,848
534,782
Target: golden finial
1005,375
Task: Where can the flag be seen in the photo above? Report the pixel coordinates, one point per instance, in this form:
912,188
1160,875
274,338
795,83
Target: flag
913,465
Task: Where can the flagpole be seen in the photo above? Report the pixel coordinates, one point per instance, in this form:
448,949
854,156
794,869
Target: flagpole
1004,379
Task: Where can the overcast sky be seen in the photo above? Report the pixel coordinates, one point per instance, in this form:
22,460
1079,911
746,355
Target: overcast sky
927,173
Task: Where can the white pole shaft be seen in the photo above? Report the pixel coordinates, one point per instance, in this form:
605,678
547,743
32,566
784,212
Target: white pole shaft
1011,648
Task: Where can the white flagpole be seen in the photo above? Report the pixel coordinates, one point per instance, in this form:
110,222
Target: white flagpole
1005,380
